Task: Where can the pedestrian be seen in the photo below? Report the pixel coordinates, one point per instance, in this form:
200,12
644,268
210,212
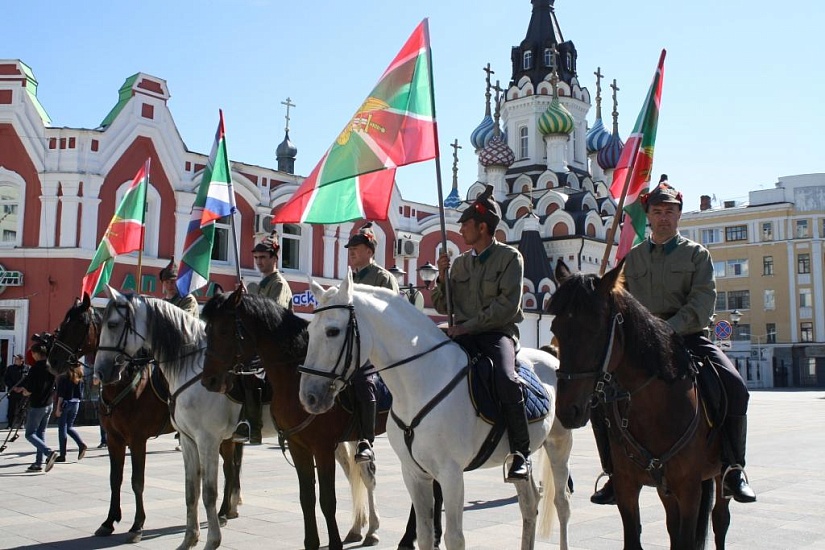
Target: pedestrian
69,394
361,255
15,373
38,386
95,396
673,277
486,292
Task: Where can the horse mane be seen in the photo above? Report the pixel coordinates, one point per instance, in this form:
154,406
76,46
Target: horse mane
287,329
173,332
649,342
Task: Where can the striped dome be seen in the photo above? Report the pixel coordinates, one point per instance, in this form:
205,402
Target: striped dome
556,119
597,137
452,200
482,135
497,153
608,156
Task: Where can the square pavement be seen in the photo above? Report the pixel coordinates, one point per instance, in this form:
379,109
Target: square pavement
61,509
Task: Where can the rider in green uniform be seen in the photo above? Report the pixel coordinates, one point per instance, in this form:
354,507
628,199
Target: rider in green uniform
168,281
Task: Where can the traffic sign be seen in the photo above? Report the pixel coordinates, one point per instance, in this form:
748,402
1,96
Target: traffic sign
723,330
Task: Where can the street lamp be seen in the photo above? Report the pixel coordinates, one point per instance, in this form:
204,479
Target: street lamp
735,317
428,273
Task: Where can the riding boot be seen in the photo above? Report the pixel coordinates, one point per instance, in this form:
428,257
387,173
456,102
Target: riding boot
254,409
519,437
605,495
736,482
367,411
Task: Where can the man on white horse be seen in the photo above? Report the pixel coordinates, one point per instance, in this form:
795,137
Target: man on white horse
673,277
361,253
486,291
275,287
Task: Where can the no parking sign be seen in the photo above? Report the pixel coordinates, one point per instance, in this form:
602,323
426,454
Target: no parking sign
723,330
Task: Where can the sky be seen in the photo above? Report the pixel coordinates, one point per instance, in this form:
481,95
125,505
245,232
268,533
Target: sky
741,106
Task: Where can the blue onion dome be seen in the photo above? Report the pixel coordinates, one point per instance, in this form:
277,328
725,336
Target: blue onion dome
497,153
452,200
608,156
556,119
286,148
597,137
482,135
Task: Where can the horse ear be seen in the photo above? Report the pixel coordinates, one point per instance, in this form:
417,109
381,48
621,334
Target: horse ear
317,290
613,279
237,296
87,300
562,271
346,284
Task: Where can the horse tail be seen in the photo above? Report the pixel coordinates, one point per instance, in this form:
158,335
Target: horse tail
555,478
345,454
703,518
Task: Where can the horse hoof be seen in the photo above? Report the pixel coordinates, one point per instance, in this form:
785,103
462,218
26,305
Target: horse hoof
104,531
370,540
232,515
222,521
352,536
134,536
405,547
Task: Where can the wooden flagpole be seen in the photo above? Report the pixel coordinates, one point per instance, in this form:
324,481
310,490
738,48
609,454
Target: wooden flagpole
139,283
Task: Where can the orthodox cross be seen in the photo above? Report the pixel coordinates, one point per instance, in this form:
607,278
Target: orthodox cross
599,77
455,147
288,104
487,94
615,112
499,90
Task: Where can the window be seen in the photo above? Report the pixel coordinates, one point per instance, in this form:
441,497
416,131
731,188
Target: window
737,268
528,60
523,142
721,301
803,263
767,231
806,297
719,269
806,332
10,219
548,57
770,330
739,299
568,61
710,236
291,246
736,233
7,319
767,265
741,332
220,245
801,229
770,299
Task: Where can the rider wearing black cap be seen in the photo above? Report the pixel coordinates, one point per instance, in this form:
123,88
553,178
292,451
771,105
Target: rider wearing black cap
168,282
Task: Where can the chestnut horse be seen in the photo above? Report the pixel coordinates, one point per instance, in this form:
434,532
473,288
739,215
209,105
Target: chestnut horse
616,356
130,412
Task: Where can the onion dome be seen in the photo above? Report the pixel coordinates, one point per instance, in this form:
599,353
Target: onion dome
597,137
497,153
556,119
452,200
286,148
482,135
608,156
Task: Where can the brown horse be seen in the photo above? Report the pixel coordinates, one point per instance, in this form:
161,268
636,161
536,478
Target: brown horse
131,412
240,327
618,358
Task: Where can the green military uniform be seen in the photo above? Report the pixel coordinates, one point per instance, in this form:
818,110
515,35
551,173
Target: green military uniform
187,303
274,287
375,275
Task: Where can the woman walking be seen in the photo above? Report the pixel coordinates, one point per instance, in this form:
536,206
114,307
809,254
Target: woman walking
69,392
38,386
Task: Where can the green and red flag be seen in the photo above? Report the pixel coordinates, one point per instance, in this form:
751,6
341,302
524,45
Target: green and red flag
124,234
632,175
394,126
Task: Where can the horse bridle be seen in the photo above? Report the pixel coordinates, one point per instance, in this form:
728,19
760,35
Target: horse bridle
74,353
352,343
128,328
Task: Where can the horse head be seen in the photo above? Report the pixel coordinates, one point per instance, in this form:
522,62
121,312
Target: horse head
76,336
122,332
227,345
582,325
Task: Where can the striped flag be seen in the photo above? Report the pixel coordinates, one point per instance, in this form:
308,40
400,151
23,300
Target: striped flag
124,234
215,200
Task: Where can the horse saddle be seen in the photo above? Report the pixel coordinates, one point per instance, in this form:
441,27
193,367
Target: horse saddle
484,396
712,393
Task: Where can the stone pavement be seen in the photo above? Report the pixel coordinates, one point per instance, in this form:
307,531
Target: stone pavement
62,509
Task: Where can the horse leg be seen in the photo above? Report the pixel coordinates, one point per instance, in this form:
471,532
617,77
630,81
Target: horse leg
367,481
528,503
408,540
720,515
138,452
452,487
306,485
558,446
208,455
232,455
117,456
421,493
191,468
627,500
682,509
325,464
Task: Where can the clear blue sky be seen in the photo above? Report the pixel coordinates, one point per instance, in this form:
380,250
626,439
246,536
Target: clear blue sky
741,103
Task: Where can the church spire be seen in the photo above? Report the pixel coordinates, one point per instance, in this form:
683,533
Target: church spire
534,57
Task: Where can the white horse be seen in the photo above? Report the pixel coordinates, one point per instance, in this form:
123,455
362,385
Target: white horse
436,433
202,418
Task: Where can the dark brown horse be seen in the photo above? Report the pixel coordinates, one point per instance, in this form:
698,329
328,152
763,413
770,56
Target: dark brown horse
131,412
240,327
620,359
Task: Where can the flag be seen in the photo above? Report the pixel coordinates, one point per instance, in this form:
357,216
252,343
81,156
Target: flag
394,126
124,234
632,174
215,200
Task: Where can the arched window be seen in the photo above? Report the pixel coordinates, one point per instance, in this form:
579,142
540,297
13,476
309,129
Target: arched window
548,57
524,142
528,60
291,246
10,214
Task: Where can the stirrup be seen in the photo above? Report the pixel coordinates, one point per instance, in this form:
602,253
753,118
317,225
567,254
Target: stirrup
605,474
726,494
505,468
241,437
364,452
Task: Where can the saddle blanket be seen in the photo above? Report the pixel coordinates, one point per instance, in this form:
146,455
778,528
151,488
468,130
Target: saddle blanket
485,401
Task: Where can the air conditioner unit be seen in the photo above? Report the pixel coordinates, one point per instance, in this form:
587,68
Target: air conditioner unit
263,223
407,247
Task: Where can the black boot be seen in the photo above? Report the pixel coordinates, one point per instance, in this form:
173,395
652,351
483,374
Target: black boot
519,437
605,495
367,411
254,409
736,482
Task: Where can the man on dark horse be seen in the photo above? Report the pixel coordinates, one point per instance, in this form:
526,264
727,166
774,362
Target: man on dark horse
275,287
673,278
361,254
486,291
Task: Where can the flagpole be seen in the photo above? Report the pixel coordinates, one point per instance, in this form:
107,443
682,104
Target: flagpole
235,241
441,218
611,234
147,166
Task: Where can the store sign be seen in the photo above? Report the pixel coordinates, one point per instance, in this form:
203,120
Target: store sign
304,299
10,278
